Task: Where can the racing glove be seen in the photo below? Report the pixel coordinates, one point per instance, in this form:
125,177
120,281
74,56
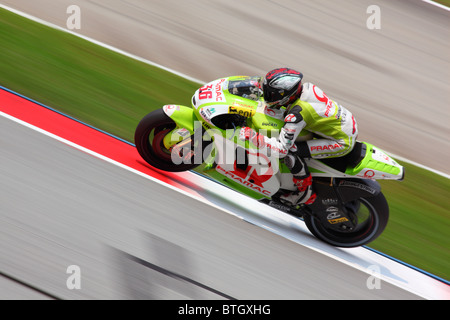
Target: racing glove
248,134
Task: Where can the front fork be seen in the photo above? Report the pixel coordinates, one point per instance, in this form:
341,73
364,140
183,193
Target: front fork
183,150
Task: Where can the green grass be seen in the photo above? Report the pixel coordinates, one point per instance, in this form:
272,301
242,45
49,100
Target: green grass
419,225
113,92
444,2
91,83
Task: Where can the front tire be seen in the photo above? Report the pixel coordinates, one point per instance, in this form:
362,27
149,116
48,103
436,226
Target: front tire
372,214
149,137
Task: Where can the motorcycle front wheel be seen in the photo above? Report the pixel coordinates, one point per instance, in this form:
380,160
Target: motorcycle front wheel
148,139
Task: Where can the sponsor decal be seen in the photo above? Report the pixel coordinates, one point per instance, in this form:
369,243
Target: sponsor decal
250,177
334,212
326,147
211,92
335,217
204,115
290,118
369,174
210,111
270,112
276,149
328,103
183,132
242,111
278,206
329,201
271,124
338,220
218,90
352,184
170,108
379,155
238,176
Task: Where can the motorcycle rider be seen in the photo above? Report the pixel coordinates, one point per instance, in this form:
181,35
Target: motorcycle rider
308,108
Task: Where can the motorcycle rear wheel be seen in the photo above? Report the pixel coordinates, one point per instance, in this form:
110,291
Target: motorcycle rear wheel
372,215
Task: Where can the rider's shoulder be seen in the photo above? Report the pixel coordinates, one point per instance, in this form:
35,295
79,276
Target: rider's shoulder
308,92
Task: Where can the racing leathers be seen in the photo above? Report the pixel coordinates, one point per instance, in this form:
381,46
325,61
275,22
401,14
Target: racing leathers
335,130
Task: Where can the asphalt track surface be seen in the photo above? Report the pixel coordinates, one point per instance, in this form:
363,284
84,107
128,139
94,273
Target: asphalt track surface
62,207
133,238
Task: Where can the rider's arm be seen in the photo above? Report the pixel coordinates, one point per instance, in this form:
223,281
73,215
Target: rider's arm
294,124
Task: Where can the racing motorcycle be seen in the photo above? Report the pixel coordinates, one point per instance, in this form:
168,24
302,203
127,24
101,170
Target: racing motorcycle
350,210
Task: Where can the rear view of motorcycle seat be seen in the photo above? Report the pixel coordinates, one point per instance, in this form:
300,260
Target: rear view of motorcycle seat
352,159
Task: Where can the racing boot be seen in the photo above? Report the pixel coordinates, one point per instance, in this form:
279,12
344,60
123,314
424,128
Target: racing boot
302,180
304,194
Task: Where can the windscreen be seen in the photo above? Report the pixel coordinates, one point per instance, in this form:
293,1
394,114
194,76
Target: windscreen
246,87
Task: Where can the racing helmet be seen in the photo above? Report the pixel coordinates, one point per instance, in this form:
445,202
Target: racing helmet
281,87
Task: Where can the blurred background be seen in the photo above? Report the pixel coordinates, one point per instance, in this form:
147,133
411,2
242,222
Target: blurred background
386,61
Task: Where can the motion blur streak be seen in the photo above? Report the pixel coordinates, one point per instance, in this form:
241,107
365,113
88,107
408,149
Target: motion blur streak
395,79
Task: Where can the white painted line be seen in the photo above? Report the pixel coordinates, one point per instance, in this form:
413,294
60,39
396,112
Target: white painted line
400,158
437,4
97,155
359,258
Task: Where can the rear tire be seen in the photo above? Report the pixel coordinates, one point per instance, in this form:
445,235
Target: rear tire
374,213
